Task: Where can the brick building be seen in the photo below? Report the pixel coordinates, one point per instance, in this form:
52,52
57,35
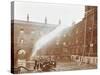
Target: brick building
84,36
25,34
78,40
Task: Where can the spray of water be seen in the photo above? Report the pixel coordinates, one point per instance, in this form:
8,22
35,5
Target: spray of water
45,39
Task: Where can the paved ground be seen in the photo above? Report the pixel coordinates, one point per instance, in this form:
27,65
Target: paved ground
73,66
63,66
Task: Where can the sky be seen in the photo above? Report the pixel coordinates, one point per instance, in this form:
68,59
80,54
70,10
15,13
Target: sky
67,13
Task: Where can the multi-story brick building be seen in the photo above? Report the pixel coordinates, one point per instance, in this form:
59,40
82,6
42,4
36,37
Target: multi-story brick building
84,36
78,40
24,36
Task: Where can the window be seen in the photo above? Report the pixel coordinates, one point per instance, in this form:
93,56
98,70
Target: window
21,31
91,45
32,32
76,31
76,41
64,43
57,43
22,41
64,35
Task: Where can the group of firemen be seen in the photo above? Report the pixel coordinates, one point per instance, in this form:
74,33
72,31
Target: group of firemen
44,64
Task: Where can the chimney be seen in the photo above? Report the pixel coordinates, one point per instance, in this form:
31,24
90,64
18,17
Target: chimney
45,20
59,22
27,17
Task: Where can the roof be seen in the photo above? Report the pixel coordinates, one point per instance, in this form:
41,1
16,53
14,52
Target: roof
33,23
